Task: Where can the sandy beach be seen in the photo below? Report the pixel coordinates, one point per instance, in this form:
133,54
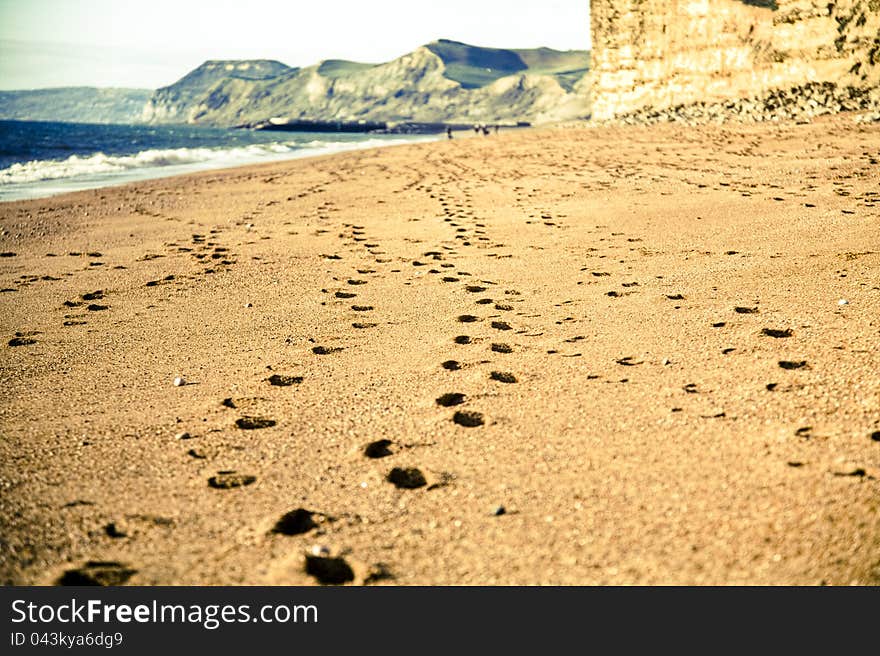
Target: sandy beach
561,356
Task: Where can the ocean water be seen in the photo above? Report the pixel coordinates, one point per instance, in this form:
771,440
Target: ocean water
39,159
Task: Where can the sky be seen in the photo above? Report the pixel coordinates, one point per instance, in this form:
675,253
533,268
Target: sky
152,43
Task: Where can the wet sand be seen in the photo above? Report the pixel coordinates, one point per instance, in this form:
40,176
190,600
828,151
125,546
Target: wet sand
574,356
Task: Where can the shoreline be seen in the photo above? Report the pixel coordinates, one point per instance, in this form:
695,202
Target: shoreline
614,355
47,188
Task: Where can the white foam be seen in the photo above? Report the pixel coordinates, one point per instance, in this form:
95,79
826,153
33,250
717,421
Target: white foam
29,179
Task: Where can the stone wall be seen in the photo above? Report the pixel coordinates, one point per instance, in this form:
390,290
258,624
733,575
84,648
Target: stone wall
663,53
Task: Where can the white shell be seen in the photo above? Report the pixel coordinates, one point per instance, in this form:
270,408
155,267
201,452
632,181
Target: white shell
179,381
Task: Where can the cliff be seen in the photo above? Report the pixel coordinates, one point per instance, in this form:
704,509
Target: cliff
442,81
663,53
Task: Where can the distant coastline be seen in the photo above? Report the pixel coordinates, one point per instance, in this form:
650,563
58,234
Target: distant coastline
443,82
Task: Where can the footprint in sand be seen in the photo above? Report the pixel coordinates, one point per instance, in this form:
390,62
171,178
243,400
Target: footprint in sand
23,339
451,399
280,380
298,521
329,570
503,377
344,295
326,350
361,325
254,423
227,480
468,418
451,365
362,308
774,332
502,348
378,449
95,572
408,478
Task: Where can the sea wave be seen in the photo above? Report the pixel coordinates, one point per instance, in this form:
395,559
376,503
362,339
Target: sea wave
101,165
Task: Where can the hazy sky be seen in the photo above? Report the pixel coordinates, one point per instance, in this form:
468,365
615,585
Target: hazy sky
152,43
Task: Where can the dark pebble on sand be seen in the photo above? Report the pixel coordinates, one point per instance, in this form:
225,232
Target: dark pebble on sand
788,364
451,365
501,325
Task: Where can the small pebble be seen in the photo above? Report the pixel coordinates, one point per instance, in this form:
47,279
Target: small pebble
179,381
499,510
183,436
843,301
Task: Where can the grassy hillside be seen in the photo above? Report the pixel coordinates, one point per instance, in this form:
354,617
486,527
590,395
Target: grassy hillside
339,68
474,67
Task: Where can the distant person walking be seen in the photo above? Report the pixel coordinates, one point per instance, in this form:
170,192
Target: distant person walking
449,133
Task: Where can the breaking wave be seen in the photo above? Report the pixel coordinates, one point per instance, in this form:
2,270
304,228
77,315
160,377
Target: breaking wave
100,165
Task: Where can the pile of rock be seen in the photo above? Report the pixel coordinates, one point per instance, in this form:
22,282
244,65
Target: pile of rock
798,104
